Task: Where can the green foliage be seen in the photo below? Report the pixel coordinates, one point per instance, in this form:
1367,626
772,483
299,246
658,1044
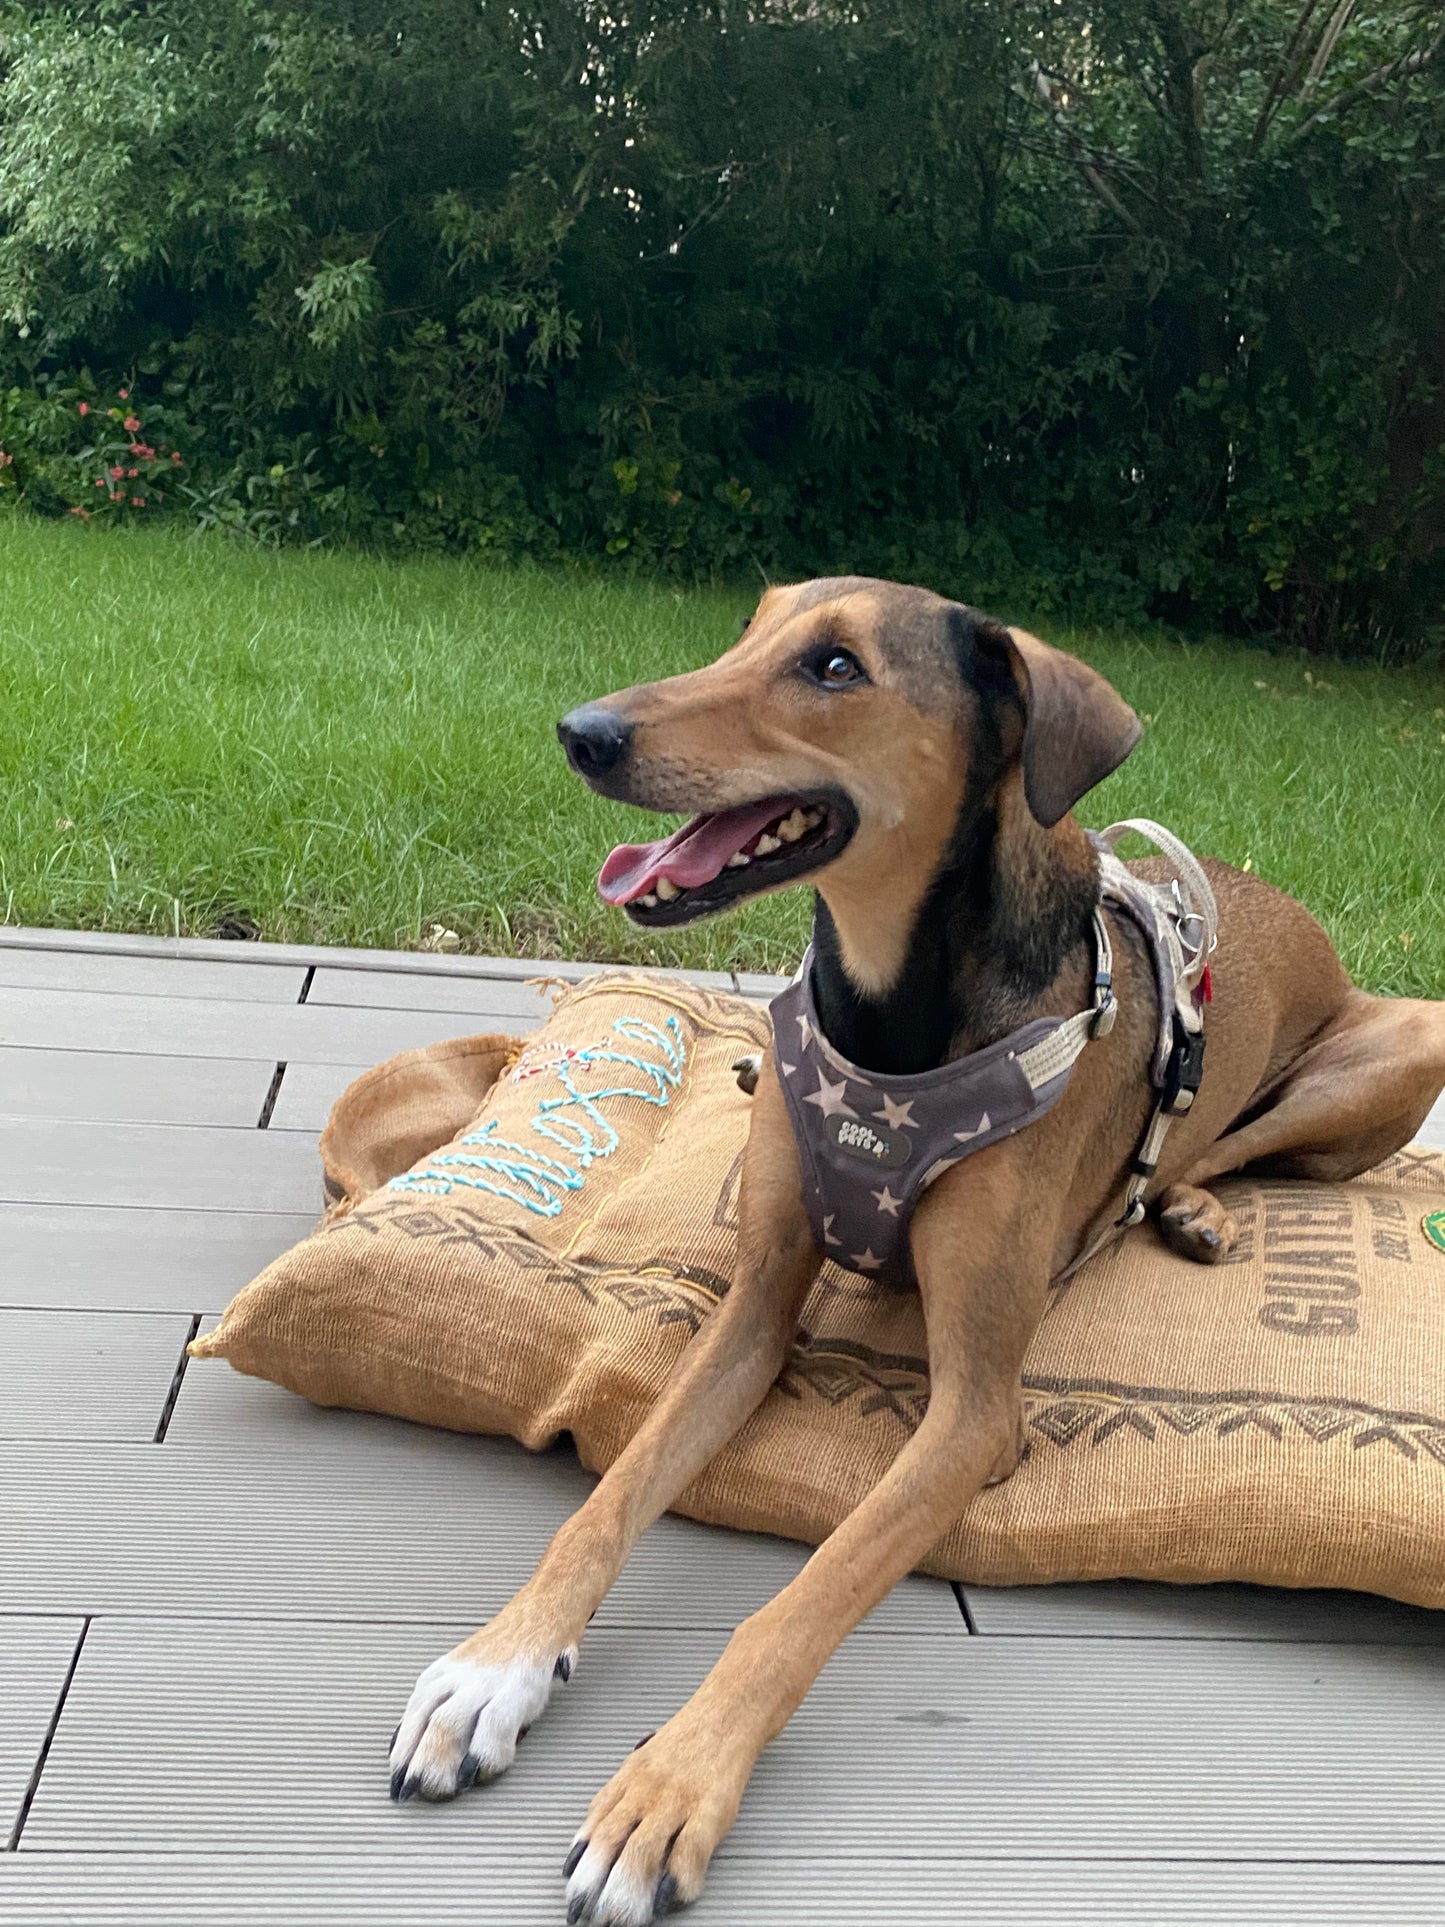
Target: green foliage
1120,310
66,445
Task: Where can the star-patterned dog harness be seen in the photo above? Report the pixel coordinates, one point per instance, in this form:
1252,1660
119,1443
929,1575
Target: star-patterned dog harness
870,1145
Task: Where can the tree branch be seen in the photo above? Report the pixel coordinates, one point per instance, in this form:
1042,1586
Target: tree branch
1334,27
1401,69
1081,160
1284,75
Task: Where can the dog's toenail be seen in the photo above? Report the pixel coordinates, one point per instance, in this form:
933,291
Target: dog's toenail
666,1895
563,1669
574,1909
569,1865
643,1741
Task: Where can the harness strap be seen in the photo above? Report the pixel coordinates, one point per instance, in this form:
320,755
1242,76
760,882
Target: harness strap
1190,925
1197,907
1060,1052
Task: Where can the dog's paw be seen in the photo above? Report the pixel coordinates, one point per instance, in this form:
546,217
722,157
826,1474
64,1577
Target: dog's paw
464,1719
644,1849
1196,1225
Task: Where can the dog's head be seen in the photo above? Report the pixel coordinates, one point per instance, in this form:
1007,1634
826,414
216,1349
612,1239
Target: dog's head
839,740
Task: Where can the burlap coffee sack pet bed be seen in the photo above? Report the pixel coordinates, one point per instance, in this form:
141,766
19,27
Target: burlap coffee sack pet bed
525,1234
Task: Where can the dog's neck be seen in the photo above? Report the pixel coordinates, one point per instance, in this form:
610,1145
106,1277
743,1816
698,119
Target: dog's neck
1008,913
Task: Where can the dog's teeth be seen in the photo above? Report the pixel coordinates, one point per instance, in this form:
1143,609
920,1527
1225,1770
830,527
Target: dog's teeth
765,845
792,826
812,819
648,902
667,889
739,860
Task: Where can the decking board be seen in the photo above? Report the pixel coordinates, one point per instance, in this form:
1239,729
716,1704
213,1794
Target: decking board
467,998
906,1747
209,1027
138,1257
492,1884
306,1094
1136,1609
370,1519
194,1168
87,1374
148,976
116,1087
35,1655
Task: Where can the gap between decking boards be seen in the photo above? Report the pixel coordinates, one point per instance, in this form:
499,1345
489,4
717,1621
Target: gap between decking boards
268,1106
163,1424
23,1815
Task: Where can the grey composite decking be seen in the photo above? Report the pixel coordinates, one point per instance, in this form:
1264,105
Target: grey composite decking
495,1886
906,1745
198,1167
307,1094
71,1375
117,1087
136,1257
205,1641
35,1660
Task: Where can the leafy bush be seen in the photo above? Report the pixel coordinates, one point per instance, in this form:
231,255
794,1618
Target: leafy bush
68,445
1113,310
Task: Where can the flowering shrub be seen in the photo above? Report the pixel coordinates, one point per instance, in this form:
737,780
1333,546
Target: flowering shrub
70,446
126,472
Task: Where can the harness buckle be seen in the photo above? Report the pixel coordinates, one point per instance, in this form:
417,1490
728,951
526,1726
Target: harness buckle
1184,1072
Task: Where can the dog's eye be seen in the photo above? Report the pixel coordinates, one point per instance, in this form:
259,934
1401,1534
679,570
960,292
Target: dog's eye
835,669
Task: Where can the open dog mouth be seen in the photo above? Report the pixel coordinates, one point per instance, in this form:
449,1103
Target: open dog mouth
718,859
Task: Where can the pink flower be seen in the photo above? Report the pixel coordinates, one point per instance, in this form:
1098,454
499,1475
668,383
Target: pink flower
142,451
5,460
176,461
100,481
116,472
124,394
131,424
84,514
85,408
132,472
137,501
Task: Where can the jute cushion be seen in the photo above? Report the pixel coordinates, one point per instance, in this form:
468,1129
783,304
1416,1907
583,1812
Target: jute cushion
523,1237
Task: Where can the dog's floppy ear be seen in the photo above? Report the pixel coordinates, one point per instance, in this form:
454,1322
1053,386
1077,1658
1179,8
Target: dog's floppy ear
1077,727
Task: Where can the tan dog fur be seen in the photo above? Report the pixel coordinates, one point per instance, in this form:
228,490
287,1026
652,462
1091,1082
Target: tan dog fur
1304,1075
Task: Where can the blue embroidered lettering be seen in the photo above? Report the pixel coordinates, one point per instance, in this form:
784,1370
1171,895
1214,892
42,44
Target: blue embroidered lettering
533,1178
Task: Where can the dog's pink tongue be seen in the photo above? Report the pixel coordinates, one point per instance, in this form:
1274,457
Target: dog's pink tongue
692,855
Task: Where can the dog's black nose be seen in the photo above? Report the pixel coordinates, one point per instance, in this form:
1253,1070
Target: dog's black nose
594,738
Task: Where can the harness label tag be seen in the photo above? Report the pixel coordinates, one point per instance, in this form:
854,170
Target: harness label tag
875,1144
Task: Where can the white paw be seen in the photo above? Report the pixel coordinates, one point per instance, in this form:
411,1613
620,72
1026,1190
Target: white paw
464,1719
612,1897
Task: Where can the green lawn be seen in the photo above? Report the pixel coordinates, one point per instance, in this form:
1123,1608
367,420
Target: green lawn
348,750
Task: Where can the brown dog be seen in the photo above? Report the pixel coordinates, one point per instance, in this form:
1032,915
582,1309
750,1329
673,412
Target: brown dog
917,762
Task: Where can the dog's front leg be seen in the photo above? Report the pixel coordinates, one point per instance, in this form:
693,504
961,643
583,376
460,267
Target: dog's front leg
983,1267
470,1707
